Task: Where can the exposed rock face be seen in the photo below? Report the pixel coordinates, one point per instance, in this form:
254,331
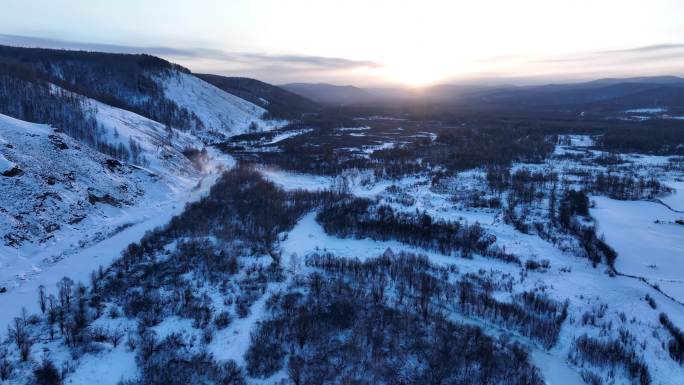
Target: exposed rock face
14,171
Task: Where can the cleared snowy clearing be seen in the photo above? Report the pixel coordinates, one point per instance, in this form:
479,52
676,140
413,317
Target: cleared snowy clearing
288,134
295,181
676,199
109,367
645,248
232,342
646,110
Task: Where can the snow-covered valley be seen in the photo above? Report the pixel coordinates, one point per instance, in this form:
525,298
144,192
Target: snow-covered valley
590,292
163,231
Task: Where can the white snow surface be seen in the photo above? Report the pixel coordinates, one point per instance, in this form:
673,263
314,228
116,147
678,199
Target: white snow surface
232,342
581,140
108,367
296,181
646,110
288,134
5,165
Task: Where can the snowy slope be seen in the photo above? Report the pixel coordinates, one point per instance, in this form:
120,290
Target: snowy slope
58,177
160,148
66,195
223,114
5,165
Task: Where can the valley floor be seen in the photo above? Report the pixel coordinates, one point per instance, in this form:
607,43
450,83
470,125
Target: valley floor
644,233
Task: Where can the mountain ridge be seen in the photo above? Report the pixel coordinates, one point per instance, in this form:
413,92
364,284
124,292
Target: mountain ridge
279,102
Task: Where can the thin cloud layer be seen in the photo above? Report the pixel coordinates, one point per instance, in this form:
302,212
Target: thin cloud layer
648,48
272,67
656,59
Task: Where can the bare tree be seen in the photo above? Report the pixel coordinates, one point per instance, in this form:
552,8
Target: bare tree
20,336
42,300
65,285
115,337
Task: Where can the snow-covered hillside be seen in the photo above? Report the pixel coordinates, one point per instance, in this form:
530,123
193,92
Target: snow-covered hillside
59,182
69,206
222,114
156,147
60,195
67,209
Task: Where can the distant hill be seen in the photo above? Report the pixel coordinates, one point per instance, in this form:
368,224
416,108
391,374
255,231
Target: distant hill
662,80
611,94
279,102
331,95
604,94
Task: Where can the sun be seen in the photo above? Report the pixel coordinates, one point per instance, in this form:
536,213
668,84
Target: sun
414,73
413,76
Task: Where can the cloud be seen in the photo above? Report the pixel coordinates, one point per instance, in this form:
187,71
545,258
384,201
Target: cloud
313,61
29,41
634,61
647,48
656,59
274,67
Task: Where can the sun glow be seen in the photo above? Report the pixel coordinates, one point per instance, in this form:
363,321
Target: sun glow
412,76
415,73
415,43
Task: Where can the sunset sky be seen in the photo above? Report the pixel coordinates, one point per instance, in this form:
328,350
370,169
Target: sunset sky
370,42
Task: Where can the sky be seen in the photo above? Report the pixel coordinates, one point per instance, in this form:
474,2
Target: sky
370,42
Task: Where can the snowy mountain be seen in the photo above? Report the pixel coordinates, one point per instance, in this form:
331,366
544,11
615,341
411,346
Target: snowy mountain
96,149
149,119
143,84
279,102
332,95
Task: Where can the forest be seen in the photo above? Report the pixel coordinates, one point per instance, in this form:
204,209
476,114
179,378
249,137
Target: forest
378,314
123,81
362,218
